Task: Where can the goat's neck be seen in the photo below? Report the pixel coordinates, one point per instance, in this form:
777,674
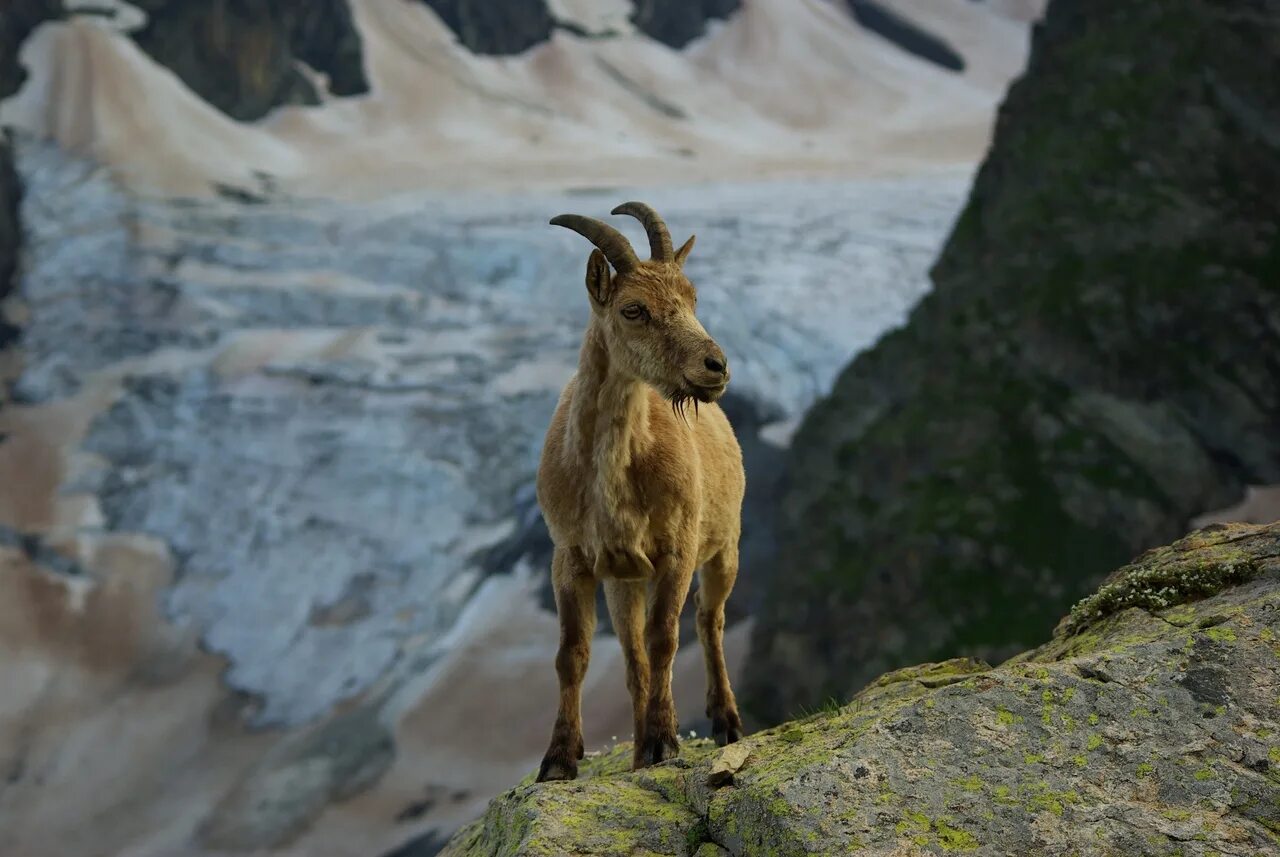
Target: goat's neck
610,419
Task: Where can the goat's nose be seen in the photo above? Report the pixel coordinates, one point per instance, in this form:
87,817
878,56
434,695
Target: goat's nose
714,364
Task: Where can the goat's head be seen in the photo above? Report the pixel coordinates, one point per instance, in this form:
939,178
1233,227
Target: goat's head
645,309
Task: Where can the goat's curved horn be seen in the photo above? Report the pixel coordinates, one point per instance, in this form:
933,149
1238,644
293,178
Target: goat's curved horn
659,238
611,242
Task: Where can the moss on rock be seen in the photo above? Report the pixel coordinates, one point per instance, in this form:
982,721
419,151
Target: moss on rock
1202,564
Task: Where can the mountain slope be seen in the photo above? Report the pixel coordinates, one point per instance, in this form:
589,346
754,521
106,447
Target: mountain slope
438,114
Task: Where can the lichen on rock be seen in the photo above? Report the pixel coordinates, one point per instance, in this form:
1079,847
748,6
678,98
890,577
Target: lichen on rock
1140,729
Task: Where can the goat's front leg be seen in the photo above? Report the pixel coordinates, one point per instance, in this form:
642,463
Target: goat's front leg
575,590
626,600
662,636
715,584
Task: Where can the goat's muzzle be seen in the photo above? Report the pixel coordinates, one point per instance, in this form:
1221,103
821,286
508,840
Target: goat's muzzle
704,392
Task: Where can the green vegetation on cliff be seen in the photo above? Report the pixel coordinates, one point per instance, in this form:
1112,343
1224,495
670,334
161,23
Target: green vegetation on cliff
1133,732
1099,361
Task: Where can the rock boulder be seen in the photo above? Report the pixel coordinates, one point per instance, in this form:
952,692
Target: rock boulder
1149,725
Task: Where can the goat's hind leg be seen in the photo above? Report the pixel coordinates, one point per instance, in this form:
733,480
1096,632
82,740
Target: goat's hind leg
575,591
715,582
626,609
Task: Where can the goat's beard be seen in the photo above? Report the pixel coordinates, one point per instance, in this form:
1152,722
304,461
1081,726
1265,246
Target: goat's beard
681,395
680,399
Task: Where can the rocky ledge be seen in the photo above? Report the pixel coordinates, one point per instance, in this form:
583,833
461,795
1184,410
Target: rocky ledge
1149,724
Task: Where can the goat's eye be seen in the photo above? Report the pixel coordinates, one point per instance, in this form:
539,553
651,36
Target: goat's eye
631,312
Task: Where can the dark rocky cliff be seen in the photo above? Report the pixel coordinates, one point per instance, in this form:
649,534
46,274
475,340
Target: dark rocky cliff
17,20
10,231
486,27
678,22
906,34
1098,363
514,26
242,56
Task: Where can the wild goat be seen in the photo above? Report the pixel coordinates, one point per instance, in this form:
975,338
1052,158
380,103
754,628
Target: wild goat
636,494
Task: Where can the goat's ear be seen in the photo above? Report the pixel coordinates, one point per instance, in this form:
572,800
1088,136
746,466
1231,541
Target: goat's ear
683,252
599,278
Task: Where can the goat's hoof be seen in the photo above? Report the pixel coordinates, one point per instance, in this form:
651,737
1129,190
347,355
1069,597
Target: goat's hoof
727,729
557,766
659,749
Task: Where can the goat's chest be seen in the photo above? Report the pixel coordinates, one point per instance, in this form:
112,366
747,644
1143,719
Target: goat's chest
644,501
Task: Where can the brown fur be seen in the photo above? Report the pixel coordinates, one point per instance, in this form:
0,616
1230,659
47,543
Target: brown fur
638,492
